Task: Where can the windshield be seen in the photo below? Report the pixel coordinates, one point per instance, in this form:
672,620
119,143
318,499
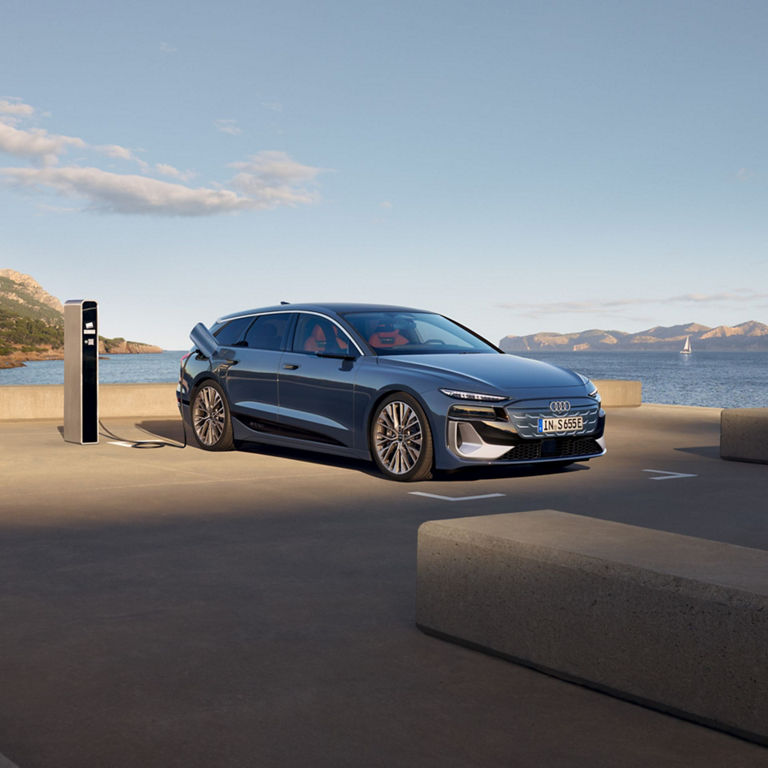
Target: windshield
414,333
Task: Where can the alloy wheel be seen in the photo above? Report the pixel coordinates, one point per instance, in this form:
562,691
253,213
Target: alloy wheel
398,437
209,416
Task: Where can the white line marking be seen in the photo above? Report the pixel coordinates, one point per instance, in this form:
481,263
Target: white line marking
667,475
456,498
121,443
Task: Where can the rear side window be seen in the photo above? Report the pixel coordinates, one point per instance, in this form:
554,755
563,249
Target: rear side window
268,331
233,331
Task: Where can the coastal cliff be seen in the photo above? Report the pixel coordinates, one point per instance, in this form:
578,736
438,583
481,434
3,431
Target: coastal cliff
748,337
32,324
120,346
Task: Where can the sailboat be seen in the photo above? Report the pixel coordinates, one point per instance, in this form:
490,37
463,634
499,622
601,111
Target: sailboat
686,350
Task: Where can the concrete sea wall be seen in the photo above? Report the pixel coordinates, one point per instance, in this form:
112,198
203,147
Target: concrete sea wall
115,400
128,400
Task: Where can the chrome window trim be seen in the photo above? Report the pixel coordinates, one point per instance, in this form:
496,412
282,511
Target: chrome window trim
296,312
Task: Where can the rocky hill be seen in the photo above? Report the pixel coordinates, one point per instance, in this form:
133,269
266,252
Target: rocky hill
23,296
749,336
32,324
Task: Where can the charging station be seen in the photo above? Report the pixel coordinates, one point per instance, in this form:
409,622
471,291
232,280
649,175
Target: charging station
81,371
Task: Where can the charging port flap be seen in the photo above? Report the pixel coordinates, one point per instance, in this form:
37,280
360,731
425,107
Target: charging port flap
204,340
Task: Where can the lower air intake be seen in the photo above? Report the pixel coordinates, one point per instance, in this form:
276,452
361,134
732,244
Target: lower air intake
553,448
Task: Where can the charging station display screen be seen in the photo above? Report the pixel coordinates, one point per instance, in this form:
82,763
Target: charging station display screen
90,362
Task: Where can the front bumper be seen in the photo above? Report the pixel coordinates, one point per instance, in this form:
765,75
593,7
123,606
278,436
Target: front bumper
511,436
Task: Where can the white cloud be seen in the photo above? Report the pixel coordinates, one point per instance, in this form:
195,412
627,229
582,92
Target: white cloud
266,180
272,106
15,107
615,306
743,294
277,167
37,144
228,126
167,48
116,151
168,170
122,193
274,178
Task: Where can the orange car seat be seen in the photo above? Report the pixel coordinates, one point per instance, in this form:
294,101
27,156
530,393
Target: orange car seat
386,336
325,338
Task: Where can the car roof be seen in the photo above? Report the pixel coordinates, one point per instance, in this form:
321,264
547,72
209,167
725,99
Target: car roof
338,308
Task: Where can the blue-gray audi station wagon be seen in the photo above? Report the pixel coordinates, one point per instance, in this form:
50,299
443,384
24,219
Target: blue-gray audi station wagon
410,389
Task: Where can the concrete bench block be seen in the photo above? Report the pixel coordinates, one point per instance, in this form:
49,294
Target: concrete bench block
744,434
672,622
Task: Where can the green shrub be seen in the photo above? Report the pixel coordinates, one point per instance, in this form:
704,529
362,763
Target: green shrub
27,332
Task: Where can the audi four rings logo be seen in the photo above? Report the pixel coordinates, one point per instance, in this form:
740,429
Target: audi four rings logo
559,406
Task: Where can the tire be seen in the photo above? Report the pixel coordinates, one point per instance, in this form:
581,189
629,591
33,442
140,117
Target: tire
211,422
400,439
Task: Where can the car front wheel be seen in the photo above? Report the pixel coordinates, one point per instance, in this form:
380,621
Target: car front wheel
400,439
211,423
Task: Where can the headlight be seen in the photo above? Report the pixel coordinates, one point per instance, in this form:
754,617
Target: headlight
461,395
474,412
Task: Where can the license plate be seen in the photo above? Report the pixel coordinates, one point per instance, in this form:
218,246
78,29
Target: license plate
561,424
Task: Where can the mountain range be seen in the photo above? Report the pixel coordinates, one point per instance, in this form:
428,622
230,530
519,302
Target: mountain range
32,328
32,324
749,336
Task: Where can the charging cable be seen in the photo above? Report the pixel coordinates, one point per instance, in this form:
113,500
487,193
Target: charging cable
145,443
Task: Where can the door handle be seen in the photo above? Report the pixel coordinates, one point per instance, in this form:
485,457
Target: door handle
290,366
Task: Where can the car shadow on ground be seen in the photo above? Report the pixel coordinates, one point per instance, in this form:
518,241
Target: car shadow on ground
172,429
168,429
507,471
706,451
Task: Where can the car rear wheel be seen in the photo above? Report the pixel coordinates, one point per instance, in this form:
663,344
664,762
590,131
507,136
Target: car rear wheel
400,439
211,423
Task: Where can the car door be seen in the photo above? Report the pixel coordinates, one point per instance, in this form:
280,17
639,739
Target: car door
317,382
252,366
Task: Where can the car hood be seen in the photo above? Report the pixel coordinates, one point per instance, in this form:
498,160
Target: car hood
507,374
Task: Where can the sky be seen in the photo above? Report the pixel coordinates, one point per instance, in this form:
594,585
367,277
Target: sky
552,165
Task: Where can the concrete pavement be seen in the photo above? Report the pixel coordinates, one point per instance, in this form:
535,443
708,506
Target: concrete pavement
166,607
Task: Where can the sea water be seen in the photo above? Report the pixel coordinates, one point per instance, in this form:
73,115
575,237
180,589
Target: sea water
714,379
113,369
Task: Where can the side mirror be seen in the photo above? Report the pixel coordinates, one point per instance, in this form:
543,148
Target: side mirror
204,340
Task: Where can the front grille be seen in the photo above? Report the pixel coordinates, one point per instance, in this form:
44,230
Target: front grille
553,448
526,422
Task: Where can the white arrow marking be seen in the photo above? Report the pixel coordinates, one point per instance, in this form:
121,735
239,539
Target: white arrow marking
456,498
667,475
121,443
